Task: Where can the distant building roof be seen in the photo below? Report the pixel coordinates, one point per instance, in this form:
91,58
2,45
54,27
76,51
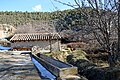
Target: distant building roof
35,36
4,41
4,48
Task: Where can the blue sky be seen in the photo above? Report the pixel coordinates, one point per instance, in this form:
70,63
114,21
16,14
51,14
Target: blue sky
32,5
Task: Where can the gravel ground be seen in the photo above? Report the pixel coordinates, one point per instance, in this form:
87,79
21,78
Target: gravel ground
17,67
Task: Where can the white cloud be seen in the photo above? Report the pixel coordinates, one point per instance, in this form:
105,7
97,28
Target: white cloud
37,8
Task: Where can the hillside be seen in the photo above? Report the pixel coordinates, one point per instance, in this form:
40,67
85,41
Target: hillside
18,18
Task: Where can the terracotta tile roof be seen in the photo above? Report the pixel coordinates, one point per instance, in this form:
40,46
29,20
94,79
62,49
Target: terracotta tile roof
35,36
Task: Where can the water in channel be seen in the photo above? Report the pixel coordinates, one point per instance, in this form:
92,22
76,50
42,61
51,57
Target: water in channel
43,72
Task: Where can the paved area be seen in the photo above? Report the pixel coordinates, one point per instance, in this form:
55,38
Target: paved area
17,67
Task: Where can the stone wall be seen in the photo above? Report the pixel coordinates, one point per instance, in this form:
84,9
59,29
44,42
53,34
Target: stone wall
55,45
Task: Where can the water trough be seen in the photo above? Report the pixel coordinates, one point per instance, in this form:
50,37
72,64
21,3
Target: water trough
57,68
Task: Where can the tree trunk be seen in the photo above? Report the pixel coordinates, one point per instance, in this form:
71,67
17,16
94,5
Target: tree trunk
118,53
111,60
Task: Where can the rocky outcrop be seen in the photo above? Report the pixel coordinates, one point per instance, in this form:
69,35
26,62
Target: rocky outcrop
6,30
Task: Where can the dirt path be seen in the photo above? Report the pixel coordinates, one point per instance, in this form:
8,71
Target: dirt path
17,67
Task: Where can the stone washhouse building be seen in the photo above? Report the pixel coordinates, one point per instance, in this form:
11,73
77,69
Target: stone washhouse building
46,41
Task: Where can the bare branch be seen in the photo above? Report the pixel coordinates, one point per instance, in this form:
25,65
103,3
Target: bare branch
73,6
78,4
54,5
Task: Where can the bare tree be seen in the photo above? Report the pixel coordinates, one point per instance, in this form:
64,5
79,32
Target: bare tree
102,19
118,28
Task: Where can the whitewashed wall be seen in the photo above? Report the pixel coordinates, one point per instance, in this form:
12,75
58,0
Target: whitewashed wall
2,34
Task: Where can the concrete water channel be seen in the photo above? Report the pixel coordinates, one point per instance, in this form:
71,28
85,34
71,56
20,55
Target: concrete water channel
59,69
44,73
